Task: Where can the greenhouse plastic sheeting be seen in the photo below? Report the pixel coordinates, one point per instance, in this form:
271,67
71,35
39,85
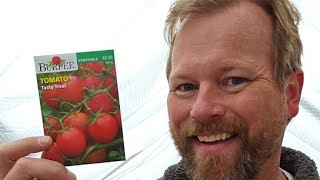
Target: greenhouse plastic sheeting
134,29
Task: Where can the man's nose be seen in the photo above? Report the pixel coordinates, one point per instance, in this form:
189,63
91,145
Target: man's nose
208,105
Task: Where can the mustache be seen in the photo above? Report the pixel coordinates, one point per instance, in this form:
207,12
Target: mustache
235,126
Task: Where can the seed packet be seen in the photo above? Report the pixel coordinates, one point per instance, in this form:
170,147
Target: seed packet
80,107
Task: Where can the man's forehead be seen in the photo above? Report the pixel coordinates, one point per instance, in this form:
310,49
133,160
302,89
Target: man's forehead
237,26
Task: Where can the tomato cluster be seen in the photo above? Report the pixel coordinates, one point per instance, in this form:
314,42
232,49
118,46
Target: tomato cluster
83,118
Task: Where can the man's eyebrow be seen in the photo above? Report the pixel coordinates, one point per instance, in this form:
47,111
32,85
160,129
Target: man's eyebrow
225,69
180,76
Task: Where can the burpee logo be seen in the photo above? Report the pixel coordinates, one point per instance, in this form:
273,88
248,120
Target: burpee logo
56,63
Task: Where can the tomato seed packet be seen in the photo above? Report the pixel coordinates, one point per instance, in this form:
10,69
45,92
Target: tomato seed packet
80,107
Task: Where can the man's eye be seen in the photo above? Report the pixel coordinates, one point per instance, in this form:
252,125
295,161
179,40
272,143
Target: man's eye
236,81
186,87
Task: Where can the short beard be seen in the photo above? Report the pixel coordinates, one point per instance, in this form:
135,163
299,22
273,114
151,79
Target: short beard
249,157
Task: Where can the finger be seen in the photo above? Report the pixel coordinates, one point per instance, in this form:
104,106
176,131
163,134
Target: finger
29,168
14,150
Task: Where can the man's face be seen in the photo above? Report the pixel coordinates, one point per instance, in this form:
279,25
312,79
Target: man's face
227,113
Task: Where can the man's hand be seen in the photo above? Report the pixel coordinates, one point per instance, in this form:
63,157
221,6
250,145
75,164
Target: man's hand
14,165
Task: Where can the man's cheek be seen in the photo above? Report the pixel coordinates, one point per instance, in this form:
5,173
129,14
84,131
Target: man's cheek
177,116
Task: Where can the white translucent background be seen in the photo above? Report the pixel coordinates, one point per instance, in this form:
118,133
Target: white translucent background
134,29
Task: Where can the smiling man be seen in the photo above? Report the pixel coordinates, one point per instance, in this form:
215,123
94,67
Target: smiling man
235,82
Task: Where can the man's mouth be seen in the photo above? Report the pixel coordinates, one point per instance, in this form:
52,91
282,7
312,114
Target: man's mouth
215,142
215,138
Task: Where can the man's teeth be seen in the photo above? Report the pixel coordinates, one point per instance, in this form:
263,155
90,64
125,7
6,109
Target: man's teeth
213,138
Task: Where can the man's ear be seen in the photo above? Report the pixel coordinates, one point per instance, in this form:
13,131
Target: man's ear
293,92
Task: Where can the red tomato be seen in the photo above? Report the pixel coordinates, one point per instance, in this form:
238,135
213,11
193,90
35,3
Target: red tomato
108,81
56,60
71,142
96,67
53,153
73,93
92,82
101,102
113,71
104,129
50,97
118,118
51,126
95,157
78,120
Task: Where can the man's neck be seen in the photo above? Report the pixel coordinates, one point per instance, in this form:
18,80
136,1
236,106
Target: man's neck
271,168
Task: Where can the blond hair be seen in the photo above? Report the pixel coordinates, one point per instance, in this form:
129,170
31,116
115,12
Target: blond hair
287,46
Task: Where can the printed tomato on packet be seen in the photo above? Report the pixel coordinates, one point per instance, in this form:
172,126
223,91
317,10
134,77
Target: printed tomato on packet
80,107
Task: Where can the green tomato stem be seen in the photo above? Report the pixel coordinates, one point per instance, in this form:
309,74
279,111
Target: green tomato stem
99,146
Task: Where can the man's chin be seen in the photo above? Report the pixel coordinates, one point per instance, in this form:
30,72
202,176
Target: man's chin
210,166
234,164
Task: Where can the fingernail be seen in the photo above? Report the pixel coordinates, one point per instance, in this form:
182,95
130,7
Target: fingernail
44,140
71,176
